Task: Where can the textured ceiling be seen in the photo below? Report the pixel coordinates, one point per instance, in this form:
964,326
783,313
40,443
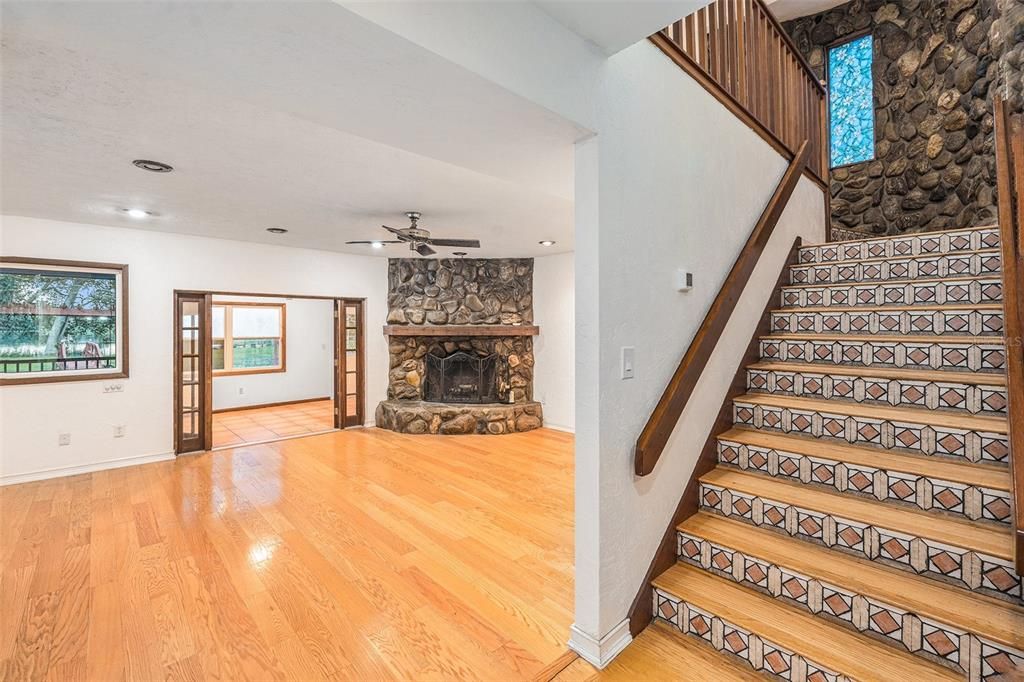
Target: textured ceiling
299,115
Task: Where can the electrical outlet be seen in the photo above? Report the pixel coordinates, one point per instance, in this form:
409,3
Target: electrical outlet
63,439
241,390
119,431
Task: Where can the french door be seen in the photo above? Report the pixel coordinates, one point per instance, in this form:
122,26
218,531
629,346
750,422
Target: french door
193,380
349,360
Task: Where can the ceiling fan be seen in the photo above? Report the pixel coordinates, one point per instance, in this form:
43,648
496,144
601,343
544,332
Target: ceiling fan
419,239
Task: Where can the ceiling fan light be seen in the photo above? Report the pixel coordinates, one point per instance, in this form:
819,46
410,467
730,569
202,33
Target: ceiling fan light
377,245
546,242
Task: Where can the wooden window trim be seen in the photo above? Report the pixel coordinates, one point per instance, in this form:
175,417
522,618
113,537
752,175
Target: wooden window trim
228,335
122,373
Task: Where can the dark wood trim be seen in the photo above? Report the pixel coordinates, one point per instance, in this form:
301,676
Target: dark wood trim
669,47
1009,144
207,365
280,403
659,427
461,330
361,363
792,47
122,341
204,394
640,613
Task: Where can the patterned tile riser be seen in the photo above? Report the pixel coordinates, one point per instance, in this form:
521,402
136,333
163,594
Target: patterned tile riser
978,355
974,399
974,446
759,653
952,241
923,492
955,322
930,639
976,571
921,267
952,292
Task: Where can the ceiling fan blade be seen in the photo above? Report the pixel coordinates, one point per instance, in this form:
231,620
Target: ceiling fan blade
424,250
468,243
375,241
393,230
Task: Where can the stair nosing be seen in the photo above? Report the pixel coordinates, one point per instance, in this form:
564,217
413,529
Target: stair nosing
902,414
839,659
918,465
849,507
938,609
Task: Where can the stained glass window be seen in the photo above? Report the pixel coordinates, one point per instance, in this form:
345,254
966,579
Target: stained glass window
851,112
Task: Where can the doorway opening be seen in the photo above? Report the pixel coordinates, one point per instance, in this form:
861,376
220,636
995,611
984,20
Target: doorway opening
255,368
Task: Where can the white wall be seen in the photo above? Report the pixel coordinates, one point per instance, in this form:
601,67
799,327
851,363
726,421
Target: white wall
31,416
554,379
669,179
309,358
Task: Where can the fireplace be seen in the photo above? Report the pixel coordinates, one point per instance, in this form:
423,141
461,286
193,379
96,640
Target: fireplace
461,378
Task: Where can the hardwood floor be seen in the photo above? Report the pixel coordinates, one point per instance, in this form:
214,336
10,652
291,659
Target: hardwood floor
360,554
260,424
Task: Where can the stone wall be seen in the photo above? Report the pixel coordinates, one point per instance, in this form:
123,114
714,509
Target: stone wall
453,293
937,64
460,291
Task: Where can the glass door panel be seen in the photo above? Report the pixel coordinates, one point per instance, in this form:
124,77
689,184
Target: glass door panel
349,381
190,371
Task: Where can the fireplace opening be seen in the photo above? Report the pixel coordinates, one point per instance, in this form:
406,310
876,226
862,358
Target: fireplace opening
461,378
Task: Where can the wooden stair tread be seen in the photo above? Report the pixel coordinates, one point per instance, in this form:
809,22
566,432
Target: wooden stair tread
833,646
661,652
995,619
923,280
877,259
950,419
888,308
968,473
949,531
950,376
886,338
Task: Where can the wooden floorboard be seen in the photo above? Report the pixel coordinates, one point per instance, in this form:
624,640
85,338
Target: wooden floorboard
361,554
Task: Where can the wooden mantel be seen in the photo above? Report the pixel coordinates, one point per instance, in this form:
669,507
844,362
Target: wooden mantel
461,330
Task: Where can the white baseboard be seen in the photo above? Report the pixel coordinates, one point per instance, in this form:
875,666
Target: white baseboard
57,472
559,427
600,653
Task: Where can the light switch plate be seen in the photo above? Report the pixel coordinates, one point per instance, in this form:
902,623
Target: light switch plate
628,362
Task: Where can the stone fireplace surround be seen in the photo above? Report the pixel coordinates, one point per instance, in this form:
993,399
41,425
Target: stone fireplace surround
441,307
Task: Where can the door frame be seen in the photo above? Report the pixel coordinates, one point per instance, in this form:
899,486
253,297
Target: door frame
204,439
341,420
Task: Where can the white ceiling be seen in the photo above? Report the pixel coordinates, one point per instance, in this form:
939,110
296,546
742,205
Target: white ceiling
299,115
616,24
784,10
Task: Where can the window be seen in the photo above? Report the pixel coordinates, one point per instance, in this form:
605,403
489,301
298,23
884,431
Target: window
62,321
248,338
850,102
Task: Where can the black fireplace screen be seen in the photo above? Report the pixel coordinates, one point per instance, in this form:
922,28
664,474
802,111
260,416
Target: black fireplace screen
461,378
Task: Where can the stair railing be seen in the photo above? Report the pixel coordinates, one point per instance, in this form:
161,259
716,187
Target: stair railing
655,435
737,50
1009,143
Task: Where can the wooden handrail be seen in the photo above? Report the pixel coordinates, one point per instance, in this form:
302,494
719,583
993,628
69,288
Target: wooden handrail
655,435
744,51
1009,143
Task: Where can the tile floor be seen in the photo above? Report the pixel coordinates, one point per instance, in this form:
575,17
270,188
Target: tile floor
261,424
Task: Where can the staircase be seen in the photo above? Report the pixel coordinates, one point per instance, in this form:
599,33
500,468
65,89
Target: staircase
857,523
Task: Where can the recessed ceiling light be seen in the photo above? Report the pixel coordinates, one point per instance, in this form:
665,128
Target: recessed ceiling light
276,230
546,242
153,166
377,245
137,213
